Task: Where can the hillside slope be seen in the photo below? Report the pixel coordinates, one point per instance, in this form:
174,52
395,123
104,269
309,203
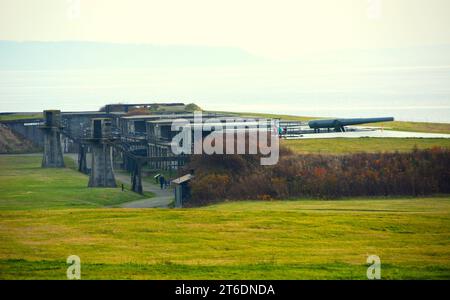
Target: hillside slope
11,142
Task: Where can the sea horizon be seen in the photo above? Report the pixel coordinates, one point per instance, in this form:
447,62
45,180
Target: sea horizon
409,84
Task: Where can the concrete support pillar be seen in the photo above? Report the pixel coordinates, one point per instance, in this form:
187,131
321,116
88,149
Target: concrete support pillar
166,163
152,154
82,165
136,179
102,174
53,155
158,153
124,162
127,163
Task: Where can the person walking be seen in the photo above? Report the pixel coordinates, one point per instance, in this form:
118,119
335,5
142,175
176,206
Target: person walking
162,181
280,132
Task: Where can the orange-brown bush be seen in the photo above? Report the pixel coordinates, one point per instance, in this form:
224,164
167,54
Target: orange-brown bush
220,177
210,187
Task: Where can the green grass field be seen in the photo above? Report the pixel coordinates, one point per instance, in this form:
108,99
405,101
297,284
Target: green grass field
345,145
247,240
237,240
25,185
415,126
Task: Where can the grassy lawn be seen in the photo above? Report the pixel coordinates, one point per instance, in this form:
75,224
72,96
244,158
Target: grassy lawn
347,145
396,125
416,126
25,185
300,239
239,240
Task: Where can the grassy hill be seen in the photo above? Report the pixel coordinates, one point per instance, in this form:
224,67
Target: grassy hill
11,142
20,116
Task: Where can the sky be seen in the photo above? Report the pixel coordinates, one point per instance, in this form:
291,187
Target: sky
343,58
277,29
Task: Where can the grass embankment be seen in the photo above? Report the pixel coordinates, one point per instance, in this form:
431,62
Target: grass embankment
242,240
25,185
415,126
11,142
18,116
348,145
396,125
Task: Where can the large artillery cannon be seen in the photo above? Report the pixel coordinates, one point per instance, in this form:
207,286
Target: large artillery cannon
338,124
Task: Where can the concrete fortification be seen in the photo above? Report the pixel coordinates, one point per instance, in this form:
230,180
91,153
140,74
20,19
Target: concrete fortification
102,174
53,157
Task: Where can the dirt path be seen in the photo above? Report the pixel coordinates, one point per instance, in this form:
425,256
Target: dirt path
162,198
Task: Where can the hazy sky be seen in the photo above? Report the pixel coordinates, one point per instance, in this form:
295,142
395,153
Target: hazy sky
272,28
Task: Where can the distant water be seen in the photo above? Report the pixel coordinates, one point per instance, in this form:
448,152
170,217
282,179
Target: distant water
414,94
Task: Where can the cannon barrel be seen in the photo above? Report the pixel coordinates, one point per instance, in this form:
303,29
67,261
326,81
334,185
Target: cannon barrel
338,123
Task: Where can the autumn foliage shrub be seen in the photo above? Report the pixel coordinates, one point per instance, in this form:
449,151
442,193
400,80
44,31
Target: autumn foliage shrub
240,177
210,188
